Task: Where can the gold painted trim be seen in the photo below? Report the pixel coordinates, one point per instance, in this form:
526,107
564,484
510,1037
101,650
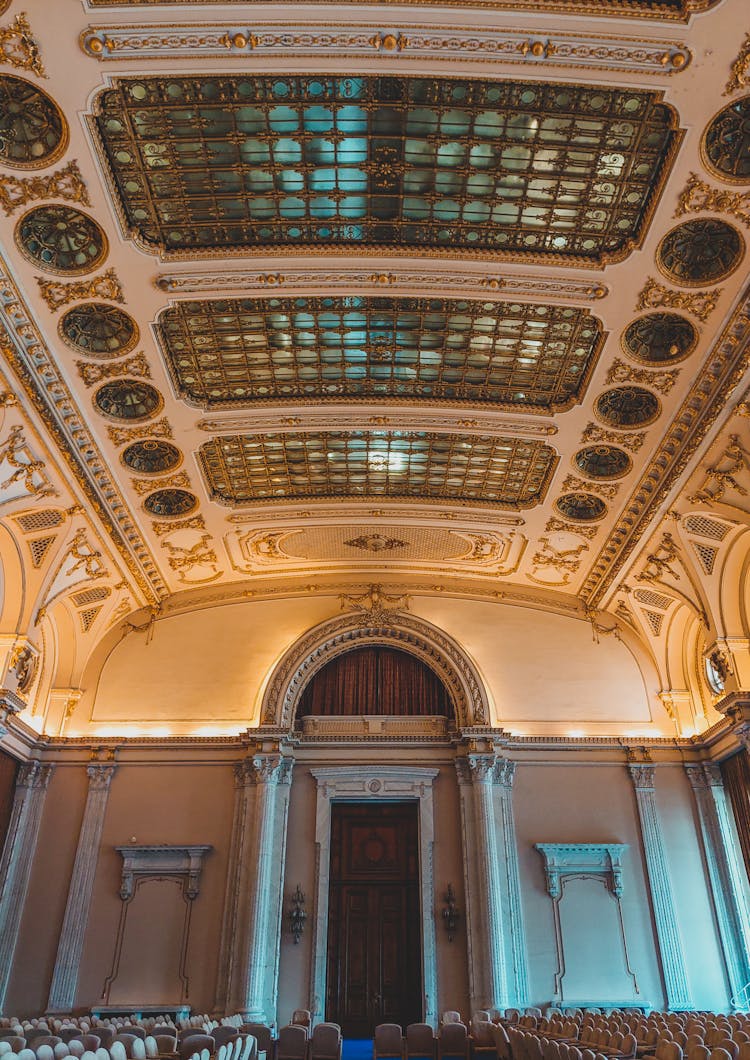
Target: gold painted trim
694,284
704,157
61,148
90,266
660,365
99,356
628,426
599,478
149,474
122,419
365,251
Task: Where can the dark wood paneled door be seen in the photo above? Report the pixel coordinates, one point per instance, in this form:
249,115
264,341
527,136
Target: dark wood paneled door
374,936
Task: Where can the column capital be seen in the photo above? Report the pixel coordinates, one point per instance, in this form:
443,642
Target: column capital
10,704
642,776
703,776
100,775
504,772
481,766
268,768
34,774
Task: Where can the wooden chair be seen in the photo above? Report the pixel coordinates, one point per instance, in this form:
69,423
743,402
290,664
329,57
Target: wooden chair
452,1040
387,1041
291,1043
325,1042
419,1042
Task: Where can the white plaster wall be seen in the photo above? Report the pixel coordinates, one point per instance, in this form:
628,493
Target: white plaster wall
207,669
695,914
583,803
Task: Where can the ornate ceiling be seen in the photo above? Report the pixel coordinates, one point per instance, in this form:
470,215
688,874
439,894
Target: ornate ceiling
283,297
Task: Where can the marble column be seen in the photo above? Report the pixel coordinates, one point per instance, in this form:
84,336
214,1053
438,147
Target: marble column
17,858
70,947
487,974
732,915
265,853
505,772
234,892
660,885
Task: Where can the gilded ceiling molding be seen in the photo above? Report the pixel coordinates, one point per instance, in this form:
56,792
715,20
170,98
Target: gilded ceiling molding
24,467
740,69
705,401
57,294
193,522
392,627
132,366
722,475
184,560
697,196
604,489
630,440
667,10
412,417
470,285
565,561
121,435
338,513
19,48
700,303
67,184
662,381
25,350
559,526
181,41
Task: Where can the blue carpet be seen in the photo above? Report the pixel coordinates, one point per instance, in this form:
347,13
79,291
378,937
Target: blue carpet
357,1049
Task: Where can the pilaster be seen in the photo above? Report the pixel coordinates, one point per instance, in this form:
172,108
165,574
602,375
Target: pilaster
660,885
732,915
70,947
264,854
488,985
504,775
17,858
238,858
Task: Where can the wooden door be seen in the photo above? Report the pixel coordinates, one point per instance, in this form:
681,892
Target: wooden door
374,936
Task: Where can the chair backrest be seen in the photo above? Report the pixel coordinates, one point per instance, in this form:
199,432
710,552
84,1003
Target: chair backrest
325,1041
292,1043
420,1040
194,1043
134,1028
452,1040
262,1035
26,1054
482,1036
91,1041
152,1049
451,1016
163,1028
388,1040
301,1017
222,1035
138,1049
44,1051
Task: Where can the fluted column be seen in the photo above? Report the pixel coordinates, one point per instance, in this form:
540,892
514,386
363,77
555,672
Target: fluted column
660,886
70,947
17,858
505,772
731,909
234,893
488,985
266,849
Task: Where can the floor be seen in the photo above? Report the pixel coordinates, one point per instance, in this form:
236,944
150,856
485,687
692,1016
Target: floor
357,1049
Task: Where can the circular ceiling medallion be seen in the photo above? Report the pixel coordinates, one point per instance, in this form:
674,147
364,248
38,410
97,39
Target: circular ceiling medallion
659,338
61,239
603,461
726,143
170,502
128,399
627,406
700,252
152,457
33,131
581,507
98,330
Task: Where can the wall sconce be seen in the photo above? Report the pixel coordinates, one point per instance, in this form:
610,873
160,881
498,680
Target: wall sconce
450,913
297,915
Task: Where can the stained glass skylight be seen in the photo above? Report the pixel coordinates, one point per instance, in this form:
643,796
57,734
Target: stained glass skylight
233,351
518,168
511,472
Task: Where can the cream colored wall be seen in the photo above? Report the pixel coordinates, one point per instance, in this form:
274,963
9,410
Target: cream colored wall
190,801
206,670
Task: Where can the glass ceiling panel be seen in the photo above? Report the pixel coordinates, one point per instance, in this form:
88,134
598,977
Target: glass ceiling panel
520,168
235,351
510,472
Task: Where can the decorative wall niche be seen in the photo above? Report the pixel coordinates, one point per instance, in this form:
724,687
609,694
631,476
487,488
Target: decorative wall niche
585,883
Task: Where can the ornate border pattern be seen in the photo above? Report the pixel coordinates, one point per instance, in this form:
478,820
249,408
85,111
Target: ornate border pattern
180,41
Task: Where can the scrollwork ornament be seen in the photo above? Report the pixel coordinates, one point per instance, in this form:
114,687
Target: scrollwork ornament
57,294
136,366
67,184
19,48
697,196
655,295
663,381
740,77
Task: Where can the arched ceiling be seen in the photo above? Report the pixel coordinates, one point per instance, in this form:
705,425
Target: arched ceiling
448,298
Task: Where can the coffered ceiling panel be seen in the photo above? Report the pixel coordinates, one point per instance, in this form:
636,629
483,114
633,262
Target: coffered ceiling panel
240,469
517,355
552,171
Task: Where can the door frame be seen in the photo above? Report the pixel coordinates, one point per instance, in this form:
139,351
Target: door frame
373,784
